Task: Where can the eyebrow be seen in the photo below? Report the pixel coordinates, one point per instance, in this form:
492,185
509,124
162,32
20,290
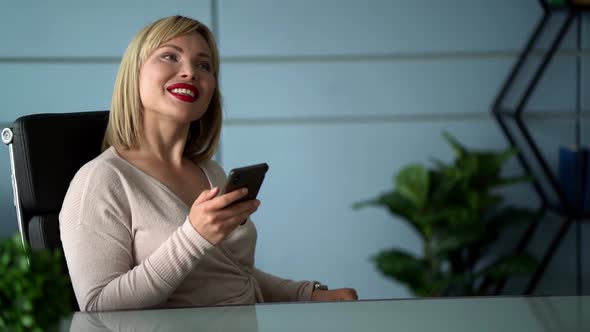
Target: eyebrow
201,54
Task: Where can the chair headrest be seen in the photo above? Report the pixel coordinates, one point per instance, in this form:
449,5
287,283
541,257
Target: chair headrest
48,151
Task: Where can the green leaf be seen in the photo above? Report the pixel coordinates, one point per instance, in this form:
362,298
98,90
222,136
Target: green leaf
459,218
34,291
412,183
457,238
392,201
4,259
433,284
23,263
510,265
443,183
472,199
468,165
397,205
459,284
401,266
364,204
488,202
491,162
26,305
457,147
510,181
446,216
438,163
27,320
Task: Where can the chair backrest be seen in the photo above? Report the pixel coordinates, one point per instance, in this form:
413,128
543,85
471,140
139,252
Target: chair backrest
46,151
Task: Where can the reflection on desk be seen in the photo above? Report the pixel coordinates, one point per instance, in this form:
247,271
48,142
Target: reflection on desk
214,319
563,314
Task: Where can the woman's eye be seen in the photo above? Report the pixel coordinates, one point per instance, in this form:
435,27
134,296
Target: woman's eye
169,57
205,66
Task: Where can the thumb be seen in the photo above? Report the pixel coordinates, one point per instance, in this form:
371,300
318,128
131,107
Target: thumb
207,195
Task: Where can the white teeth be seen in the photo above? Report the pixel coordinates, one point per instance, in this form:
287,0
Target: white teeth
183,92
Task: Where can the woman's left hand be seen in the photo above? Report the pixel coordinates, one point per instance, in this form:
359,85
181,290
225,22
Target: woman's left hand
340,294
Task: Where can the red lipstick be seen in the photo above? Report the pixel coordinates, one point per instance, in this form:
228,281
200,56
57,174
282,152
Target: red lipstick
185,92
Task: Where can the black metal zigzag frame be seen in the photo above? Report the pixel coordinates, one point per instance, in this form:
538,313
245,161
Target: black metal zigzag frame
565,15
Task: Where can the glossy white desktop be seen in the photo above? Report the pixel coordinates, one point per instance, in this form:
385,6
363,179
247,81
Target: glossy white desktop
522,314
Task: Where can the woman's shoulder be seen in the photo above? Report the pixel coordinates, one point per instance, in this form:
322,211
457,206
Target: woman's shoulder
99,182
213,171
102,170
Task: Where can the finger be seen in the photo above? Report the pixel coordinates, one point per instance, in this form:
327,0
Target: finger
351,294
237,220
247,207
250,210
207,195
227,199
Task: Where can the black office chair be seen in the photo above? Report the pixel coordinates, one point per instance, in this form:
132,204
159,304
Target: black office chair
46,151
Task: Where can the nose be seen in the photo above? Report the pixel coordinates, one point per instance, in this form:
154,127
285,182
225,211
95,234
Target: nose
189,72
191,76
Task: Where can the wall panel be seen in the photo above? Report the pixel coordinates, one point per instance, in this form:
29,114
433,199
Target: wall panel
53,88
69,28
382,88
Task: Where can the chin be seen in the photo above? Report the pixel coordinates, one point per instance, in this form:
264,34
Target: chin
184,115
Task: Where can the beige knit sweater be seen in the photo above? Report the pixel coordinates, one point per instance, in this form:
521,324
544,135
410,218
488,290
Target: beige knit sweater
128,244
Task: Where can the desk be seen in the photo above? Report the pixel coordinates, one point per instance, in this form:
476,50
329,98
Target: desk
522,314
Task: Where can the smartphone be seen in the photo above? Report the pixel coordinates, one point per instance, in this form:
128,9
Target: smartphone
250,177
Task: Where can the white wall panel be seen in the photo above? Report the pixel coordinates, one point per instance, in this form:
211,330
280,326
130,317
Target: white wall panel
53,88
292,90
551,30
59,28
318,171
308,27
556,91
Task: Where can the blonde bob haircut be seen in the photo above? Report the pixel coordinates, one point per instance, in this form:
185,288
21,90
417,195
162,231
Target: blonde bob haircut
125,127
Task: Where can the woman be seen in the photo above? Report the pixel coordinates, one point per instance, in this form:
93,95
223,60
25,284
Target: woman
143,224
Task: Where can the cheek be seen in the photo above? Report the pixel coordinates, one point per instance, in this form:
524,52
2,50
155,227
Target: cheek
147,87
143,93
210,86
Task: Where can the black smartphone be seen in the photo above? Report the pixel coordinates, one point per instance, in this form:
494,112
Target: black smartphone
250,177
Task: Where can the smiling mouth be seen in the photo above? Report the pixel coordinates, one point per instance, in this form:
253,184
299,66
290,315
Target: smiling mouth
184,92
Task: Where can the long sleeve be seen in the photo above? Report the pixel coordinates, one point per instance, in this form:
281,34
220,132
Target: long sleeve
275,289
97,237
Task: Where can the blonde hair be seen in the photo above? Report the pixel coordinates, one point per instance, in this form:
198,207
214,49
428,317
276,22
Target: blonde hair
125,125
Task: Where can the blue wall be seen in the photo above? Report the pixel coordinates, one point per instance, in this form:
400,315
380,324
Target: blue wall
336,95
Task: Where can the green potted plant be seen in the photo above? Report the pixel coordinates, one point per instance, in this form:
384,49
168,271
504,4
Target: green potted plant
458,215
34,291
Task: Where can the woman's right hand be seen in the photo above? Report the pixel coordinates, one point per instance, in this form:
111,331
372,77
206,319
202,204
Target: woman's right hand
215,217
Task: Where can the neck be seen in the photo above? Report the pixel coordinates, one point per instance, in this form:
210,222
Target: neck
163,141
